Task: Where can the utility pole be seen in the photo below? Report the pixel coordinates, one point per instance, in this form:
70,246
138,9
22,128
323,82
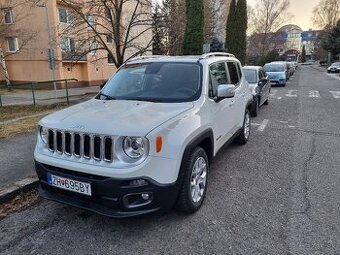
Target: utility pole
50,50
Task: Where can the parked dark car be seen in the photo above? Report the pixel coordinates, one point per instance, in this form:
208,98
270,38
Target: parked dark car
260,86
334,68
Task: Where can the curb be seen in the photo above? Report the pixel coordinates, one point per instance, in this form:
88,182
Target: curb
25,185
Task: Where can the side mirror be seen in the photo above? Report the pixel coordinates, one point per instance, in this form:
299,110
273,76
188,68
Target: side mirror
263,82
103,84
225,91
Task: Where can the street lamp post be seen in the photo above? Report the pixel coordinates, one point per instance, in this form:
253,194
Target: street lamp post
50,50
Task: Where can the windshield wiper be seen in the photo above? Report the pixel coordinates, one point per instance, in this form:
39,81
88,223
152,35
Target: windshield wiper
144,99
107,96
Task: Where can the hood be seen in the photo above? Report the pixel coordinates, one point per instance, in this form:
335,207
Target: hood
275,75
114,117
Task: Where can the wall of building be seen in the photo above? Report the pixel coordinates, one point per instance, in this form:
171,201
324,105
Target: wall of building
31,63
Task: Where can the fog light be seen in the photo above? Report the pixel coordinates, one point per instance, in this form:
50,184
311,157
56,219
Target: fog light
145,196
138,182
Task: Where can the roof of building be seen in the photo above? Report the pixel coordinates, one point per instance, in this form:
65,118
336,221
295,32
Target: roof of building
290,28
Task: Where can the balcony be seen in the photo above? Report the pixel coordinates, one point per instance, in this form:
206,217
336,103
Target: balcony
78,3
74,56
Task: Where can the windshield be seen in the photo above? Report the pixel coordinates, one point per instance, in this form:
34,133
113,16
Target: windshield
155,82
251,75
274,68
335,64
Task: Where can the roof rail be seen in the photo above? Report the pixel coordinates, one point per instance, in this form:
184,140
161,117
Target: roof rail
142,57
216,54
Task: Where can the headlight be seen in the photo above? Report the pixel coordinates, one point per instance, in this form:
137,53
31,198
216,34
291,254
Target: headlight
44,134
134,147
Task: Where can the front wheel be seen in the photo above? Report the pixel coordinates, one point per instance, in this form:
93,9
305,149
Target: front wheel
243,137
194,185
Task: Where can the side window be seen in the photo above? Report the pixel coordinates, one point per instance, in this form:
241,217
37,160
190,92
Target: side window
218,76
234,78
239,70
261,75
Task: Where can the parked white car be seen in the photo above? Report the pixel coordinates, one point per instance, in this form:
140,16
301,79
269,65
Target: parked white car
146,141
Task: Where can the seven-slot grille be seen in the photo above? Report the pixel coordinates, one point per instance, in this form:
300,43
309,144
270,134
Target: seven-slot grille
80,145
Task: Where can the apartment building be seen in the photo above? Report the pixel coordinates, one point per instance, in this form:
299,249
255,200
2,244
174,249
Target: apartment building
37,34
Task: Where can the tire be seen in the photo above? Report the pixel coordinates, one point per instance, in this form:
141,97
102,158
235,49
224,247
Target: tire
194,187
243,137
255,107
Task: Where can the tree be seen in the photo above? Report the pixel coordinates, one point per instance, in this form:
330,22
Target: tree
160,31
16,28
264,20
213,14
326,13
330,40
122,28
241,31
303,54
216,45
193,38
230,39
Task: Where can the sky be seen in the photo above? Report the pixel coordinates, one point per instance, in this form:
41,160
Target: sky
301,11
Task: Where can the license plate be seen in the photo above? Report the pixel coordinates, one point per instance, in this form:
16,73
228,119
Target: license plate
69,184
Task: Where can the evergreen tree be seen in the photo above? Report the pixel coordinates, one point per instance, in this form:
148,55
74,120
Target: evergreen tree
159,33
231,28
241,30
303,54
216,45
193,38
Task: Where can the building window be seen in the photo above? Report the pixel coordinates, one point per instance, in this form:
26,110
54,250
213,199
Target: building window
91,20
109,38
65,15
12,44
8,16
67,44
93,47
110,59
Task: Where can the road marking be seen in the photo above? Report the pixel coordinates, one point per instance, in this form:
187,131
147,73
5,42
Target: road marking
292,93
255,124
314,93
336,94
263,125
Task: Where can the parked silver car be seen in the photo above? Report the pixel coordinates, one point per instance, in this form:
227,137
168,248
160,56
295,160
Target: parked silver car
277,73
334,68
260,86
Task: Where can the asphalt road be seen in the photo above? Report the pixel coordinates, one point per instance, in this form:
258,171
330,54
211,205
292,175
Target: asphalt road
16,158
279,194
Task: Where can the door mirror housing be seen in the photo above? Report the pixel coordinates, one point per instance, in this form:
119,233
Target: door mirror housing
263,82
102,85
225,91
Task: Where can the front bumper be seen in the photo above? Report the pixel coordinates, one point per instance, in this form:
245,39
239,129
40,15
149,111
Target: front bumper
334,70
110,196
278,81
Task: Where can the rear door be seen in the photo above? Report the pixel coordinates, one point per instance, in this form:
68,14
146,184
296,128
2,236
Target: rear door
265,88
237,105
221,114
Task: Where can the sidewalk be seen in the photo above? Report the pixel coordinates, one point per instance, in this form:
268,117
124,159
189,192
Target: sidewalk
48,96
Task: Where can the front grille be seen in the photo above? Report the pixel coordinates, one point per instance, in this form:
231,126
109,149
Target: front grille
80,145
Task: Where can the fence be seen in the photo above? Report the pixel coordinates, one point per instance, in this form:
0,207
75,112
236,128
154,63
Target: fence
33,86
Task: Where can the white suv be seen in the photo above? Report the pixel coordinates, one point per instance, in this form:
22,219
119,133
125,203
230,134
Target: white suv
145,142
